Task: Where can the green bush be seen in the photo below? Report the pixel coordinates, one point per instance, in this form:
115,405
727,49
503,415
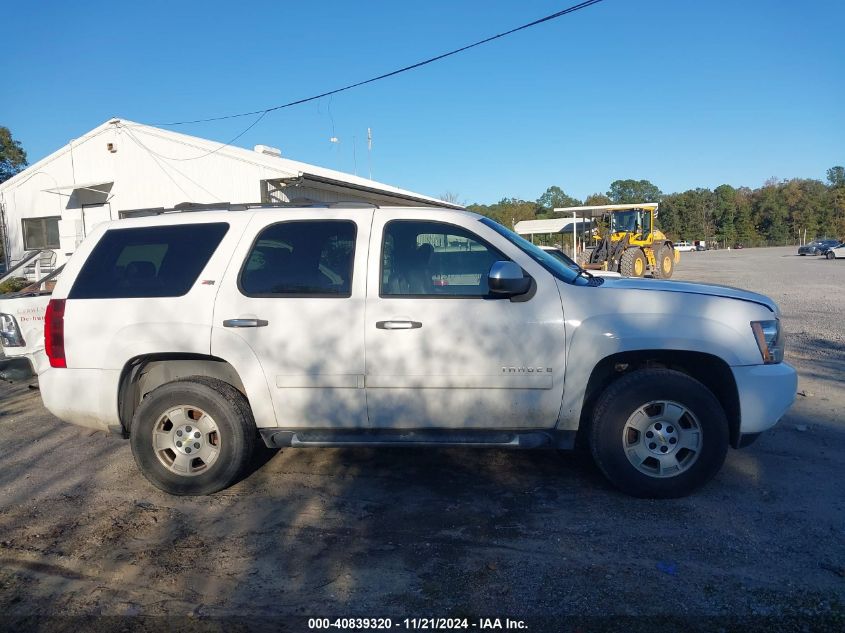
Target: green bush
14,285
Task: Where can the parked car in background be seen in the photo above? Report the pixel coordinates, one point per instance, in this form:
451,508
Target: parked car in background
22,321
827,249
817,247
837,252
685,247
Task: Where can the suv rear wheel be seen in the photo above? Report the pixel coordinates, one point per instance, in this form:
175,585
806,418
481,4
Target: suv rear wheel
193,436
658,433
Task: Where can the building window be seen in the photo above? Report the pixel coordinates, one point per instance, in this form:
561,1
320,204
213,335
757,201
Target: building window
40,233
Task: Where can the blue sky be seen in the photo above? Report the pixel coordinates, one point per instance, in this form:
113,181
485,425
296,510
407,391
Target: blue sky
682,93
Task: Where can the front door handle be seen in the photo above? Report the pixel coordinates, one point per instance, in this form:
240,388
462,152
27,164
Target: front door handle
398,325
244,323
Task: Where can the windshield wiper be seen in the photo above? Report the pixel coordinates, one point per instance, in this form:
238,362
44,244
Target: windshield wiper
583,271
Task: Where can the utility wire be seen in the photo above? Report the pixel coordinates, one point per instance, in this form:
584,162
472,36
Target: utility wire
153,156
209,153
430,60
553,16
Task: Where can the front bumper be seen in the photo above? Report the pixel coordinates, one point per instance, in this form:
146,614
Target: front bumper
765,394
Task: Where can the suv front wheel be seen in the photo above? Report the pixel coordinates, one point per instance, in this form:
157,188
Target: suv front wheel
194,436
658,433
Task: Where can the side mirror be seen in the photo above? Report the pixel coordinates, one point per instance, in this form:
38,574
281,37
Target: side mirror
506,279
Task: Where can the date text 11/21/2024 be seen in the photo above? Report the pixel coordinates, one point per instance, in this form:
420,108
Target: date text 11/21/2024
436,624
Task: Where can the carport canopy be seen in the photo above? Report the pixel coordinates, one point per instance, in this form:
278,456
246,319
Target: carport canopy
537,227
597,211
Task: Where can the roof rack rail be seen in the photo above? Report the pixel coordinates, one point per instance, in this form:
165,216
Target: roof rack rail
183,207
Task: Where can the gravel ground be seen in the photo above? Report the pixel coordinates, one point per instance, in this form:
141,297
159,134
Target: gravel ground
453,532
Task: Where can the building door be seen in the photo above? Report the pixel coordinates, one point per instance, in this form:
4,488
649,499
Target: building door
94,214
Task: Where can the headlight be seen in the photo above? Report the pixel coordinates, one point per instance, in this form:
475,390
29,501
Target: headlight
10,334
769,339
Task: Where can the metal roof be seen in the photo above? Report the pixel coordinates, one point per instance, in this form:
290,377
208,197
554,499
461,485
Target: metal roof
599,210
277,167
537,227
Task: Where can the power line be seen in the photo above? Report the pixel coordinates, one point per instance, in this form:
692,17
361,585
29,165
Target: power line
153,156
213,151
430,60
572,9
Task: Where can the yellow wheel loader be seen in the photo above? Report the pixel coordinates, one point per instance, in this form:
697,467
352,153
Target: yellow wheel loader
629,242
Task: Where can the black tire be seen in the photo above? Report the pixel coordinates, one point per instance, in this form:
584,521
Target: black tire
632,262
830,255
664,262
235,434
623,398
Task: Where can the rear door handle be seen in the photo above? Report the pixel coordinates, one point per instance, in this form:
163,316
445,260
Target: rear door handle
244,323
398,325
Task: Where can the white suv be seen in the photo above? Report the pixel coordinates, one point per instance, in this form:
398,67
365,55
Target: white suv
194,334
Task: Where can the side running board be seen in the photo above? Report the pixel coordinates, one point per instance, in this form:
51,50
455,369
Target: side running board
336,438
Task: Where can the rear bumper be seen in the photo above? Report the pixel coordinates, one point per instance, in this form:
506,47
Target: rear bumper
765,394
85,397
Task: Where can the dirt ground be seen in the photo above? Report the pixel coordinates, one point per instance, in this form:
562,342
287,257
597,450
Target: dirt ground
455,532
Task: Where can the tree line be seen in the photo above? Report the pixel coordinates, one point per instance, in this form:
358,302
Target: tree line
778,213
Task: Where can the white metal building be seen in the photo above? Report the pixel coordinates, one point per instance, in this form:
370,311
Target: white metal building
122,169
549,226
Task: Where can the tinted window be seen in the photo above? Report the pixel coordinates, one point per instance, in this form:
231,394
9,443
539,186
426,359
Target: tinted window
155,261
432,258
309,258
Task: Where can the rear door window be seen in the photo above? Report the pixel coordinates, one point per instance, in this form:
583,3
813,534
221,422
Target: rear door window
301,259
153,261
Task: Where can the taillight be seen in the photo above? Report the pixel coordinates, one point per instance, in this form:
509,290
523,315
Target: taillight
54,333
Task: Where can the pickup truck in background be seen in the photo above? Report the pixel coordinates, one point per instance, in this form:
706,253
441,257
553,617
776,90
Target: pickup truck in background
22,320
196,335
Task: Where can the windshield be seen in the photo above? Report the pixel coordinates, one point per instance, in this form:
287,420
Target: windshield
626,221
546,260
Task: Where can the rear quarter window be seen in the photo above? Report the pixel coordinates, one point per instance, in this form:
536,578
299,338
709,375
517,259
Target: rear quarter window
154,261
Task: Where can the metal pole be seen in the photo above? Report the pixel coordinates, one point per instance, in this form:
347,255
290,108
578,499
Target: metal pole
575,236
